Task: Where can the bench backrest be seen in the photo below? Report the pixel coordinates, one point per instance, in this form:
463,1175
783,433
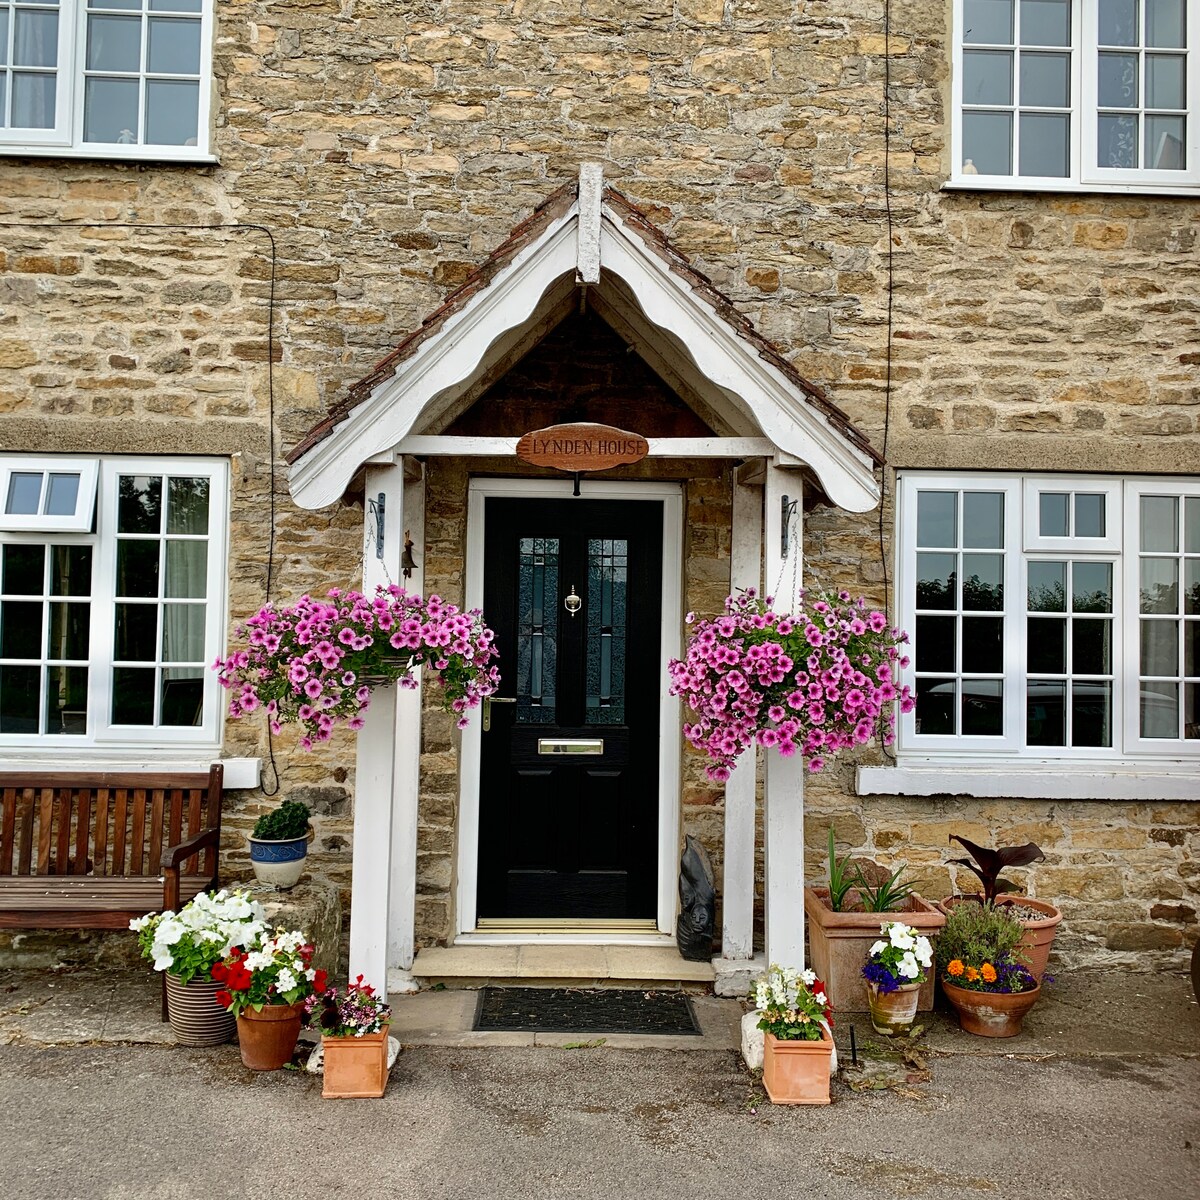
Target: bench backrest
107,824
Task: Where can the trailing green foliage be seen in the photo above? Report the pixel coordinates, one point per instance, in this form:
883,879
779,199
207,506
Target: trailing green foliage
289,820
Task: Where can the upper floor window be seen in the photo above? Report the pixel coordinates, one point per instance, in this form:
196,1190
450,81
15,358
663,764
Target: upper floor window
105,78
1076,93
1051,617
107,626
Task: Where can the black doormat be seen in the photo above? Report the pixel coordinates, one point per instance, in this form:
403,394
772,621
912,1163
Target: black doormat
572,1010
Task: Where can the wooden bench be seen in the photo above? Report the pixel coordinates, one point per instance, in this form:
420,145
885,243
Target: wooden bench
94,850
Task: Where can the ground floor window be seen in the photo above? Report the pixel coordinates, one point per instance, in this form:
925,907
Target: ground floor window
112,600
1051,616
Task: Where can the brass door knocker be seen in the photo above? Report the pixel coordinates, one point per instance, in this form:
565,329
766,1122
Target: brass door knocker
573,603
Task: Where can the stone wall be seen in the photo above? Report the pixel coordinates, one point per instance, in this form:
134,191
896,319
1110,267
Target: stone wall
371,153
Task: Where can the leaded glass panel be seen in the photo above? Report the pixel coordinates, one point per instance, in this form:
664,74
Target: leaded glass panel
608,573
537,630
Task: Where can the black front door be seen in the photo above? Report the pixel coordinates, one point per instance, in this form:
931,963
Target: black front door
569,785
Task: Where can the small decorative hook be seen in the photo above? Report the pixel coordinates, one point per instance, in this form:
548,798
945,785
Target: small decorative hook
573,603
408,564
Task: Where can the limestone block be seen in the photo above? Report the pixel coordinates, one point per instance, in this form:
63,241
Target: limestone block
311,906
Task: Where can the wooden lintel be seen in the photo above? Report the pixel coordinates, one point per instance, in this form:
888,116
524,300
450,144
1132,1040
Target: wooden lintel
753,473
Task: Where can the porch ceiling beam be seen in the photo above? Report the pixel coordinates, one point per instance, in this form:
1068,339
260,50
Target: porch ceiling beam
435,445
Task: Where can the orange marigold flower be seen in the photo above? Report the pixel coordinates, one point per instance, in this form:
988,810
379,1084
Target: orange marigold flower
972,975
955,967
988,972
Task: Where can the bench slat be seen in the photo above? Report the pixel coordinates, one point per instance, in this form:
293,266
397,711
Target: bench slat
8,829
137,839
120,821
100,839
83,820
45,828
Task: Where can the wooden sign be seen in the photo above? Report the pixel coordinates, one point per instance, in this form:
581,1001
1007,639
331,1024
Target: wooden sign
582,447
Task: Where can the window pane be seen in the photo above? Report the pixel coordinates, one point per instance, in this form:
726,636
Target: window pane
1191,648
189,6
1118,81
1052,514
66,700
1047,587
136,632
3,47
114,44
131,5
987,142
982,707
3,98
63,495
1091,587
187,569
1164,81
1046,22
182,696
1117,141
983,644
24,493
1165,23
110,111
935,706
935,648
1091,647
69,629
172,112
139,504
937,518
1046,145
936,582
983,520
35,38
24,570
987,77
1160,585
1118,22
987,21
187,505
1160,647
1159,710
1045,81
1160,524
1089,515
137,568
1046,713
983,582
33,99
173,47
20,629
183,632
19,699
1191,540
1047,645
70,570
1191,586
133,696
1165,143
1091,714
1191,711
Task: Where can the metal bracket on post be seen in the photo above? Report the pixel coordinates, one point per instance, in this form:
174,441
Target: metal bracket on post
378,510
787,507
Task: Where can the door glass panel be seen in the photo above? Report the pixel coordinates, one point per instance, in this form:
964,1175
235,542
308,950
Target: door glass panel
935,580
537,630
935,643
988,21
136,632
983,644
1165,23
1091,585
983,520
1091,647
1052,514
1159,706
1160,647
183,632
70,625
1047,645
1160,524
937,518
987,142
137,567
1045,145
1160,585
139,503
187,569
1118,22
187,505
1046,22
608,563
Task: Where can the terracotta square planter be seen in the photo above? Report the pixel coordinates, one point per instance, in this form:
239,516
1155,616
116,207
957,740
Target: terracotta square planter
355,1067
839,944
797,1072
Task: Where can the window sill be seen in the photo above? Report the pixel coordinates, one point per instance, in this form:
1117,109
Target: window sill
240,773
1054,187
1058,781
149,156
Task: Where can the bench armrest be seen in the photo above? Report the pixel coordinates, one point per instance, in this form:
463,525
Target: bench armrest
172,856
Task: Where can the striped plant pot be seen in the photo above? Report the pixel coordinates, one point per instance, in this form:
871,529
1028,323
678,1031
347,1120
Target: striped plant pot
196,1017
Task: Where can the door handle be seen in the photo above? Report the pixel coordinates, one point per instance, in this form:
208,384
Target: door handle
488,701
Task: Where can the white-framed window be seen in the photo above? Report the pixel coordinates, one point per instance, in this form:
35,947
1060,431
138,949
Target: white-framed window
127,79
106,634
1061,94
1051,617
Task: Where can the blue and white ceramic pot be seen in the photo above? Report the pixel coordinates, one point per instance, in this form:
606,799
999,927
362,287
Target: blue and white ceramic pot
280,863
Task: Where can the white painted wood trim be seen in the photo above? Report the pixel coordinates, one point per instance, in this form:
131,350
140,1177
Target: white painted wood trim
670,784
591,190
1043,781
435,445
737,910
239,773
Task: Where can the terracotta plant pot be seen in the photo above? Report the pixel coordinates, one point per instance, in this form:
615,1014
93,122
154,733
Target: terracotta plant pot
839,944
990,1014
196,1017
1039,934
797,1072
267,1039
893,1012
355,1066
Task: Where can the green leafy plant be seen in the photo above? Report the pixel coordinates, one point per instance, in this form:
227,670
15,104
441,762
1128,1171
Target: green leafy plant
209,927
988,864
842,876
979,948
289,820
888,893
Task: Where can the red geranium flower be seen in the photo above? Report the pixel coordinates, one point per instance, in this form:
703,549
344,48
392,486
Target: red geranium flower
223,998
220,972
239,978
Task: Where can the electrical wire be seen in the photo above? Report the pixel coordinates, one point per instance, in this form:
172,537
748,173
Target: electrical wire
887,201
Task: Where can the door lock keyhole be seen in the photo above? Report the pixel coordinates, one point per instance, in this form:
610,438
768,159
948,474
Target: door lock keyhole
573,603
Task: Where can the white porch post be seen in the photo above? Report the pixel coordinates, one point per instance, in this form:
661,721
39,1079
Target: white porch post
783,791
737,921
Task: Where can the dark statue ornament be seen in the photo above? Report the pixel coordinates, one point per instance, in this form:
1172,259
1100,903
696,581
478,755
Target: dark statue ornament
697,897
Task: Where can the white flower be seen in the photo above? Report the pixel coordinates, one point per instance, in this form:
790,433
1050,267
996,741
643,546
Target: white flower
878,948
287,981
310,974
256,960
163,960
169,932
908,967
819,997
809,977
140,923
